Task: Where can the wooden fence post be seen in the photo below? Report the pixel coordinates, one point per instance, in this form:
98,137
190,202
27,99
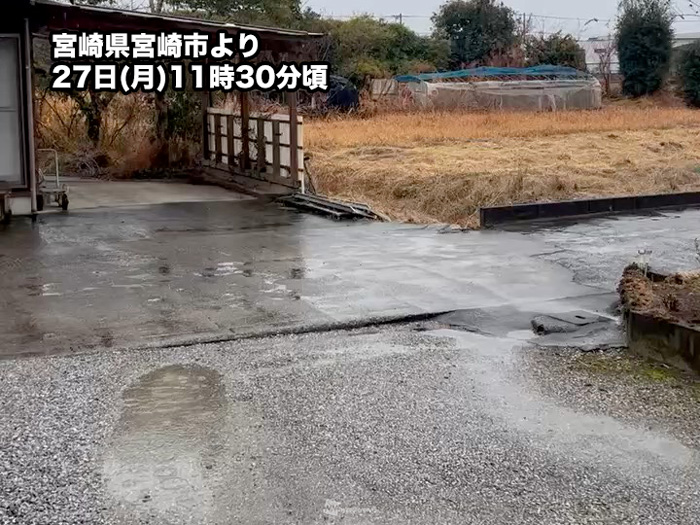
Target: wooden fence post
245,130
293,138
262,146
204,97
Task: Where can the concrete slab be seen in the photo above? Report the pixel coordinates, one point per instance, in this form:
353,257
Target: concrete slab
577,317
147,274
597,250
163,274
88,194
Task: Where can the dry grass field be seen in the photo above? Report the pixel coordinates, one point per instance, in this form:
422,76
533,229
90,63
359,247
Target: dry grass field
126,138
441,167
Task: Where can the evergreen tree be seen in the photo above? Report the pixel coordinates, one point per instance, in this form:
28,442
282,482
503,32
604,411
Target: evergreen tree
689,73
477,29
644,45
557,50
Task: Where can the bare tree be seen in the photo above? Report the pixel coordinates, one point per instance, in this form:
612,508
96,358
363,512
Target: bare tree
605,51
156,6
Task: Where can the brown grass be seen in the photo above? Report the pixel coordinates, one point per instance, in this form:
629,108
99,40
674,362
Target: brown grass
441,167
125,143
677,298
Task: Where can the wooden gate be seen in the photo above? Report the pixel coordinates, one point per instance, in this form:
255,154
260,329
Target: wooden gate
260,146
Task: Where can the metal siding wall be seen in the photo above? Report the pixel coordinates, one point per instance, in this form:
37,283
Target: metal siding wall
11,100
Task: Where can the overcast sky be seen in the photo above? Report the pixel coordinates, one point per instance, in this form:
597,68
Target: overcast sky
562,12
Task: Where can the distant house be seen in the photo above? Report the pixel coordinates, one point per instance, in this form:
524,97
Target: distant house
601,50
683,39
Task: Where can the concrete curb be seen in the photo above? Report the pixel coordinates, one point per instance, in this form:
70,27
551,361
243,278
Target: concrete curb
230,336
673,343
496,215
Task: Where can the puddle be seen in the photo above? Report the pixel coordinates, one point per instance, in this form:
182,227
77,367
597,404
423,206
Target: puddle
297,273
163,451
521,335
42,290
221,270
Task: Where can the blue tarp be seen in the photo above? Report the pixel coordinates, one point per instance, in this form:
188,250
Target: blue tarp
493,72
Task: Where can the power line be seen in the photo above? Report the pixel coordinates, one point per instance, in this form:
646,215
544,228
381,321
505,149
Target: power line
403,15
585,25
551,17
532,15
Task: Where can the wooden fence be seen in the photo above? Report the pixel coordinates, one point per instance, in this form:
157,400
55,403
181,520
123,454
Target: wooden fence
256,145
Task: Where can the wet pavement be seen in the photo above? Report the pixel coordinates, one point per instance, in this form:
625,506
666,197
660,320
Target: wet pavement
91,193
116,409
173,273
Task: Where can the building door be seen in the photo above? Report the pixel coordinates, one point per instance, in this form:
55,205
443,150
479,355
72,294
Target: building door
10,112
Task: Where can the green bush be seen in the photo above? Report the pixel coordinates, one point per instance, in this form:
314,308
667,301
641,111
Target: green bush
363,48
689,73
476,29
557,49
644,45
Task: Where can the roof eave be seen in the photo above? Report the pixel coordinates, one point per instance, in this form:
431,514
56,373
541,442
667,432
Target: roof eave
176,21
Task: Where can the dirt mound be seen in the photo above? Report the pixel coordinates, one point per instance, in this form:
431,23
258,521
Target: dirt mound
676,298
